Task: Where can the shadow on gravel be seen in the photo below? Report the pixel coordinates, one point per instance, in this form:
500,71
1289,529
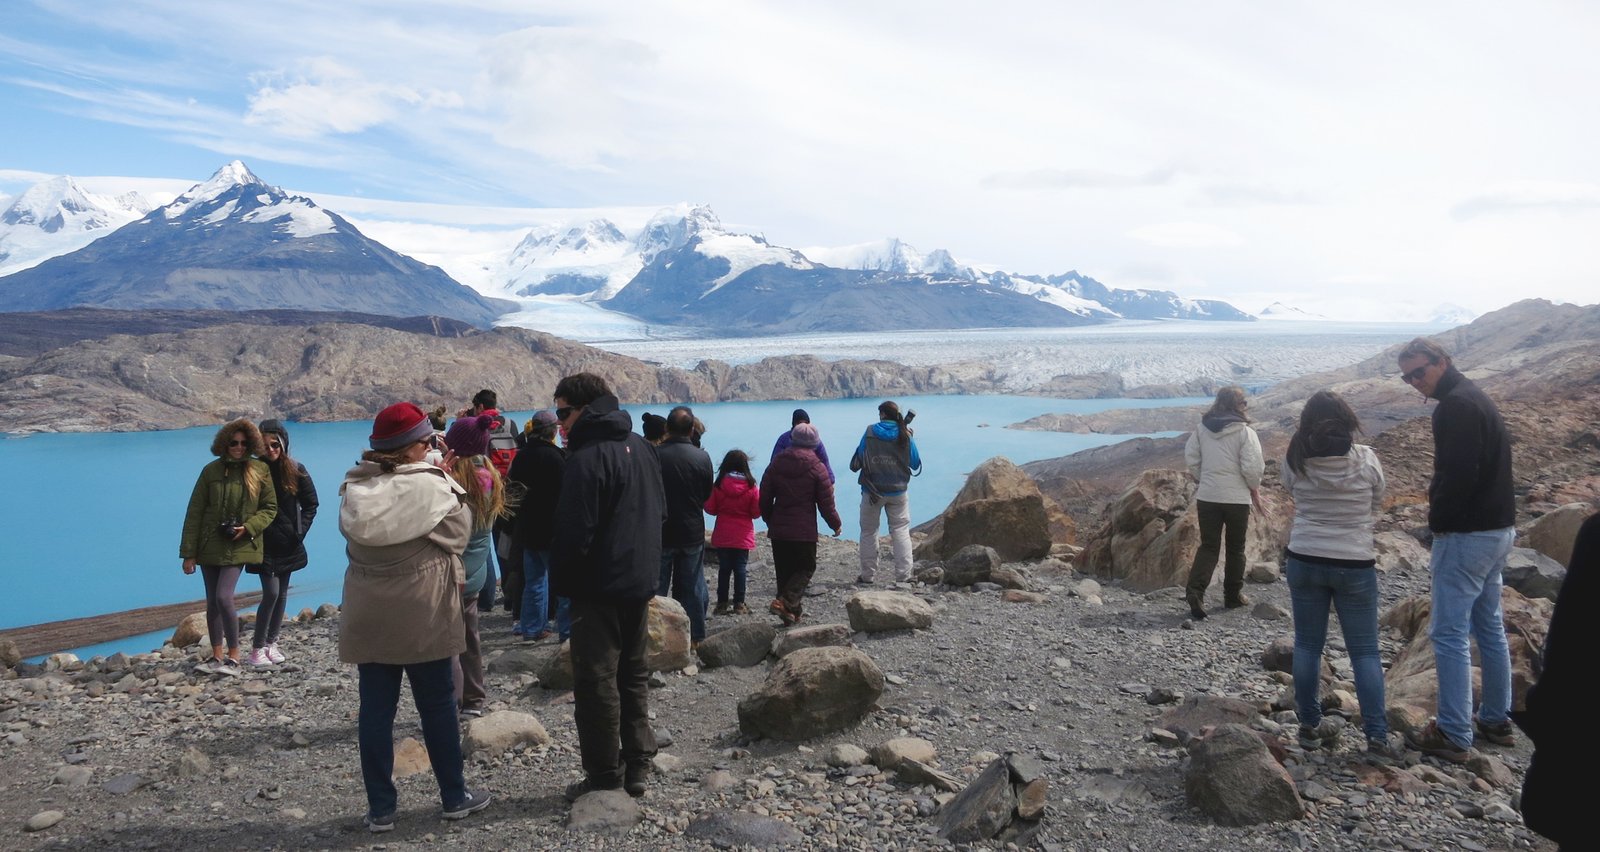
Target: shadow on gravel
1132,619
280,738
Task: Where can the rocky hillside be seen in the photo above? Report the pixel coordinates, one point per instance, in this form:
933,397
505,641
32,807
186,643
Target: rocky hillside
341,371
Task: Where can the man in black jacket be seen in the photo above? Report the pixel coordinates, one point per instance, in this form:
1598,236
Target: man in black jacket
1472,512
686,478
605,557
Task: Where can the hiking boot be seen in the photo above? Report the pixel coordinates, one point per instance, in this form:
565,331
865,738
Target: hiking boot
1500,734
633,780
741,609
258,657
1431,740
1325,734
1382,751
722,608
229,667
472,804
1236,601
578,789
863,581
209,665
378,824
1196,611
273,654
777,607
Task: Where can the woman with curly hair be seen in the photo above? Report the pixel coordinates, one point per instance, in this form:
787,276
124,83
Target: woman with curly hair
232,504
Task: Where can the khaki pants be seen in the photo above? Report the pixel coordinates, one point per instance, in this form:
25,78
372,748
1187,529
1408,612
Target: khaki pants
898,508
468,666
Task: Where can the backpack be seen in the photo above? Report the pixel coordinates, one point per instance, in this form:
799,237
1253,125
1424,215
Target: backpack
503,444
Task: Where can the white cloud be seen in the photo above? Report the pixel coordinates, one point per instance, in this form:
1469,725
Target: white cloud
1186,235
1531,196
327,97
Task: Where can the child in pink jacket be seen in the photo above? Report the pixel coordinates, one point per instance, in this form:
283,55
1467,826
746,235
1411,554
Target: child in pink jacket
736,503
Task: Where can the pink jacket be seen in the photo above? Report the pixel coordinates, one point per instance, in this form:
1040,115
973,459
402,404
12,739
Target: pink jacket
736,503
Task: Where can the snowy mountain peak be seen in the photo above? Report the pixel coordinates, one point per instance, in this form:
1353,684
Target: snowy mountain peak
1280,311
226,180
893,255
587,237
673,227
1451,315
57,216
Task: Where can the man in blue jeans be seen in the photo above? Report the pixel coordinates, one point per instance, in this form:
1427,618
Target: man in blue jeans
1472,512
686,479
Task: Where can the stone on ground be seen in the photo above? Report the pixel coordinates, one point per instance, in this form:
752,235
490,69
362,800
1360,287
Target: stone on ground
503,730
1553,533
846,755
999,505
983,809
745,644
604,812
193,763
889,753
667,637
811,692
190,631
1400,553
43,820
971,564
742,829
1235,780
410,758
1534,574
1200,711
876,612
1278,656
556,670
9,654
810,636
1262,572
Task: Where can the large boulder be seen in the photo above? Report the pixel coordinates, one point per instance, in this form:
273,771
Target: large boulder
667,647
1554,532
876,612
503,730
190,631
1001,506
811,692
9,654
1400,553
1198,712
1150,533
1533,574
1411,686
810,636
740,645
1234,779
971,564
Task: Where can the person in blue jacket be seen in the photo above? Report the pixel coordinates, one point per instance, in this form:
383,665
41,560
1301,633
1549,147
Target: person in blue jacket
886,459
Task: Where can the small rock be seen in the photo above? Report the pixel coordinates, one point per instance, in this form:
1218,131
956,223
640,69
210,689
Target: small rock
717,781
844,755
503,730
889,753
741,829
410,758
294,813
667,763
980,811
1262,572
1163,737
1269,611
663,737
1031,799
43,820
123,784
73,776
1161,695
193,763
327,610
1087,589
1278,656
604,812
1133,688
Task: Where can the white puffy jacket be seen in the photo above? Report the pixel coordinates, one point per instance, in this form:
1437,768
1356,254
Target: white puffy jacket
1228,463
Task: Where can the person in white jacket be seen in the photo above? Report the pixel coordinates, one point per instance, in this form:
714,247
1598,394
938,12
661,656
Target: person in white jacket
1224,453
1337,485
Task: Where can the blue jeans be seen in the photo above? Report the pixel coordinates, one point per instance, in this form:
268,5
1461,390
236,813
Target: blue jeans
1466,605
683,576
535,591
563,618
1354,592
434,693
731,562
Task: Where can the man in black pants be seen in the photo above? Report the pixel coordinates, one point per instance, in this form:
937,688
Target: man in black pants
606,557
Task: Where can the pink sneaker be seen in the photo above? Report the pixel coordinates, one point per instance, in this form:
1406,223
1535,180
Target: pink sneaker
274,654
258,657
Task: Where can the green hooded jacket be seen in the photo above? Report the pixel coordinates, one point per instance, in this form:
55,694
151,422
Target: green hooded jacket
219,495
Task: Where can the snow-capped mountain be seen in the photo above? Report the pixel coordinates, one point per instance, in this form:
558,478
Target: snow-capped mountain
890,255
1280,311
57,216
1451,315
235,243
593,258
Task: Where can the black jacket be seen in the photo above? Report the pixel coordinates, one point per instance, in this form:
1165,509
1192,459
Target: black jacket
537,468
686,478
1471,488
607,546
283,542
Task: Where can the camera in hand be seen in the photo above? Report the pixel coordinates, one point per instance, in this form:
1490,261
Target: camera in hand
229,528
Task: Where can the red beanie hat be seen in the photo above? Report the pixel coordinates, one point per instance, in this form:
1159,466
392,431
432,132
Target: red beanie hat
469,436
398,425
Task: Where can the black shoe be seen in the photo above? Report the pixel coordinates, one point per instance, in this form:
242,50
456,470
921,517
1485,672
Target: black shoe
474,802
633,781
1501,734
578,789
1236,602
1196,611
378,824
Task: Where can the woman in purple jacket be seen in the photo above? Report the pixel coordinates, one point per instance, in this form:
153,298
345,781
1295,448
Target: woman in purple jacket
794,488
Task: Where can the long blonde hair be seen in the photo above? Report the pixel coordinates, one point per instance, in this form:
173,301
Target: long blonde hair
255,475
487,505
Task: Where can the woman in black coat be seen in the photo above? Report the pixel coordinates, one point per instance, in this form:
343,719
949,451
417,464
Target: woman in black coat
283,544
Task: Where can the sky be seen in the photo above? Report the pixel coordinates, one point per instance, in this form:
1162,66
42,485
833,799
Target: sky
1362,160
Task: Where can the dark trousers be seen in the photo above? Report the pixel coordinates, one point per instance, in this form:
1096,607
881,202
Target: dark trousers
1215,519
795,562
433,692
269,615
512,582
732,563
683,575
611,688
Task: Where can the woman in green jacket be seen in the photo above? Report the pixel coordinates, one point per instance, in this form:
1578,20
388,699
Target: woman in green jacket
232,503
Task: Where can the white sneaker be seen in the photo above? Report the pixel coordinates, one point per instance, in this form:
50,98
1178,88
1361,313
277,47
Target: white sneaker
258,657
274,654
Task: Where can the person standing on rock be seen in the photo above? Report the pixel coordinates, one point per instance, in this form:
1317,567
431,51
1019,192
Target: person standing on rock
283,546
1224,454
467,443
405,528
1472,512
794,489
800,416
886,459
1336,485
736,503
231,506
686,479
606,557
538,469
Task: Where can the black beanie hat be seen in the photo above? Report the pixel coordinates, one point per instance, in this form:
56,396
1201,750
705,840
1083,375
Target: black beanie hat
800,416
275,427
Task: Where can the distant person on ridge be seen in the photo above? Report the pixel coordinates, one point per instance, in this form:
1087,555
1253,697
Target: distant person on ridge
1224,453
1471,511
283,545
800,416
794,489
405,528
886,459
231,506
606,557
686,481
502,449
736,503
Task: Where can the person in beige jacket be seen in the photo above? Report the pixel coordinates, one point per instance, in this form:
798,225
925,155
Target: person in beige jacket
405,528
1224,453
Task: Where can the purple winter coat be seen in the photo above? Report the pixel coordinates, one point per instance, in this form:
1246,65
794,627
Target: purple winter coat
794,488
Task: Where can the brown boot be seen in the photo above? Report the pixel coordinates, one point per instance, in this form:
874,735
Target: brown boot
1236,601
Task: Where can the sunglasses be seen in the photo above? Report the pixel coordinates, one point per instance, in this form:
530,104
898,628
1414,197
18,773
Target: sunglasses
565,412
238,443
274,445
1415,376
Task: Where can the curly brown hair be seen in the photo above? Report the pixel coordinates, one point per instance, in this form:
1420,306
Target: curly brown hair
254,474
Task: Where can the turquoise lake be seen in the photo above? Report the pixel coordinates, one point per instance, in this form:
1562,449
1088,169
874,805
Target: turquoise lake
93,524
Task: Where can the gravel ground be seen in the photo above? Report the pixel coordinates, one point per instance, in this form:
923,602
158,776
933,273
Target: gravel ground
1064,681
